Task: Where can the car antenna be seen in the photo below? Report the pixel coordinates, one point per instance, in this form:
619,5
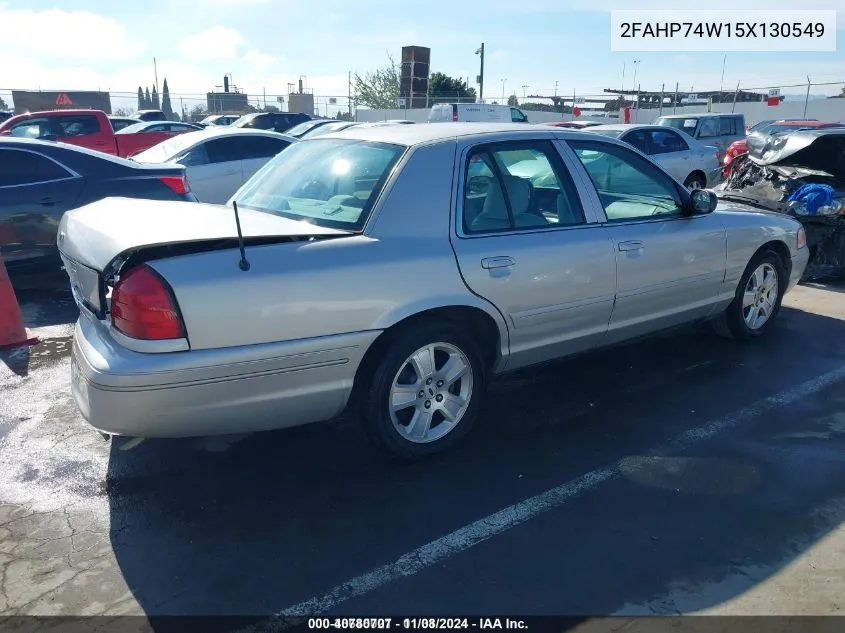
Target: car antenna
243,264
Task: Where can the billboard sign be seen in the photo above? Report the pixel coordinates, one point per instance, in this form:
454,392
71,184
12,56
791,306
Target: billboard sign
38,100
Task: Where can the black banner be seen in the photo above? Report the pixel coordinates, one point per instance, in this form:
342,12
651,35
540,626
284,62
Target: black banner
534,624
38,100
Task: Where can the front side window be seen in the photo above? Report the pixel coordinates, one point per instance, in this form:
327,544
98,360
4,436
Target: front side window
27,168
32,128
518,186
333,183
223,150
710,128
640,140
629,187
517,116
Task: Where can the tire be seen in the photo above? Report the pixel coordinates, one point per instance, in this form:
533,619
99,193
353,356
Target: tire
695,181
737,321
394,373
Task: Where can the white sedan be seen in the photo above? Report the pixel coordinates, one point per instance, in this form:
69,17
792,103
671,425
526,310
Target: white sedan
686,159
218,160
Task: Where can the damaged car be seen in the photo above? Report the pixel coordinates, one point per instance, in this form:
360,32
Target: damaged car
801,174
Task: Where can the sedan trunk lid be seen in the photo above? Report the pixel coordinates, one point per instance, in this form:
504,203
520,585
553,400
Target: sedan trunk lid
96,240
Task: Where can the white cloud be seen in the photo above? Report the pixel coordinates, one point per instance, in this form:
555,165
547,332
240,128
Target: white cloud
218,42
257,61
73,35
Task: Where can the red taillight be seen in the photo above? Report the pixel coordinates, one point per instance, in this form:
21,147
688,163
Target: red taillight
179,184
143,307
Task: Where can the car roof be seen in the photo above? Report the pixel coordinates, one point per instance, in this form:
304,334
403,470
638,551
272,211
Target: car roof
34,144
210,132
699,115
431,132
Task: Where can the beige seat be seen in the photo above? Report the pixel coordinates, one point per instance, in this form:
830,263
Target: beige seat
494,213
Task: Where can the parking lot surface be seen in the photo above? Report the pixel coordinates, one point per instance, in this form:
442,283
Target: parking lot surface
680,474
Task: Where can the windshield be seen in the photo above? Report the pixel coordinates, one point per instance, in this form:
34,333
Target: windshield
685,125
134,128
332,183
167,150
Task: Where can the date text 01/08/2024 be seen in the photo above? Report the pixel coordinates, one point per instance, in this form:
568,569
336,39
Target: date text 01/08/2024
415,624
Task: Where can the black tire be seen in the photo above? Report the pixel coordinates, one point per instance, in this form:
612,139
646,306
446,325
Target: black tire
731,323
695,179
393,353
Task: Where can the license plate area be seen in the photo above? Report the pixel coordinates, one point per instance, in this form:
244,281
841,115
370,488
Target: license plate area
87,287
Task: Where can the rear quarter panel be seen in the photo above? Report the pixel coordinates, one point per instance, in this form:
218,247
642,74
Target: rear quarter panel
402,265
747,231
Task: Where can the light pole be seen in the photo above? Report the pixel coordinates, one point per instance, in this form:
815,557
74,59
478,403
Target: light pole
480,52
634,87
556,88
503,80
524,86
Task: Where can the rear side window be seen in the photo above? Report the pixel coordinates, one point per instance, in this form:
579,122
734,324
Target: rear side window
27,168
667,142
80,125
728,126
222,150
518,186
261,147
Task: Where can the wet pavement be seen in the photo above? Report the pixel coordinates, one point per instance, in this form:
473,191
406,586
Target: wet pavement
680,474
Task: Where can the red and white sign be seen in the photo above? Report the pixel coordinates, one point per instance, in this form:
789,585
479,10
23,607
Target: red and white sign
774,97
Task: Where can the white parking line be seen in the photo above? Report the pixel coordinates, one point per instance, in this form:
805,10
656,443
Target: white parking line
463,538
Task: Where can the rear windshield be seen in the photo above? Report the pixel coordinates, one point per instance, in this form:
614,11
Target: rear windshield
612,133
685,125
332,183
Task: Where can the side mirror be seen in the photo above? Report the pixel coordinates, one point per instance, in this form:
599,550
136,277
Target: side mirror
49,137
703,201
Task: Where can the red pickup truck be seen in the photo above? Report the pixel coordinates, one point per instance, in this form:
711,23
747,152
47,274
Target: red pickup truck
86,128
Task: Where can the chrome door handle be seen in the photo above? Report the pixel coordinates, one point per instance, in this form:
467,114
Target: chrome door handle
497,262
633,245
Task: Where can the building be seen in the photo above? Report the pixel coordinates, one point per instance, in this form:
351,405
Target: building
230,101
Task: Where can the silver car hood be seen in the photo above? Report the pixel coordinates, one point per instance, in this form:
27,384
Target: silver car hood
95,234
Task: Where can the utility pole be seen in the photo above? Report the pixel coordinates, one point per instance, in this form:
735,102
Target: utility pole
524,86
155,71
349,95
503,80
722,84
480,52
556,88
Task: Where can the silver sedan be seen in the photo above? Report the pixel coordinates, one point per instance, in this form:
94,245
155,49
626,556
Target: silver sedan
393,271
683,157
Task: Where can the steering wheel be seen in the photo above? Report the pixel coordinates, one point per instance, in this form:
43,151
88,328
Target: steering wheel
316,190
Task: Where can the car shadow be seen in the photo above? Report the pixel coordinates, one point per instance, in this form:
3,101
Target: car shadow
250,525
830,285
16,359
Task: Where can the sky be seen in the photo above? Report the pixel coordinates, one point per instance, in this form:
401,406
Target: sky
265,44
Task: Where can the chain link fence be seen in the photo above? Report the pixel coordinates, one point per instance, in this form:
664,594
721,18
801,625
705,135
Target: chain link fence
817,100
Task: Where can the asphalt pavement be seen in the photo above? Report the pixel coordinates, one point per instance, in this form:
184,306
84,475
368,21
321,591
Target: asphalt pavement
680,474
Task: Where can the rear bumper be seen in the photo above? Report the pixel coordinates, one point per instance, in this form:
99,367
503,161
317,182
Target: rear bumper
211,392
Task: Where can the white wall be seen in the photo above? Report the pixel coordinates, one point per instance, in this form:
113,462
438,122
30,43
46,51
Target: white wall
822,109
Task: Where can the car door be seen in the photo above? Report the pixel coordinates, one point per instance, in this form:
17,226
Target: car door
213,169
524,242
34,193
710,133
256,151
669,267
671,152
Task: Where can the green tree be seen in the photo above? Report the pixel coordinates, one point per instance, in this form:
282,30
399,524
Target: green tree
166,106
155,102
148,101
198,113
270,108
513,101
3,104
127,112
444,89
379,88
842,94
140,98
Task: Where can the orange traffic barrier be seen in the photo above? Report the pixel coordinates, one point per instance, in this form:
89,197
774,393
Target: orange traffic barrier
12,331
